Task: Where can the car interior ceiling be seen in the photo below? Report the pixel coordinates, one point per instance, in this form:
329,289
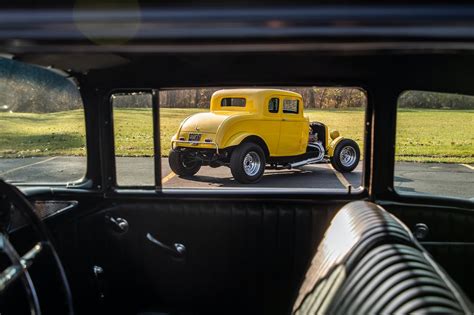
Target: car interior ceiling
249,252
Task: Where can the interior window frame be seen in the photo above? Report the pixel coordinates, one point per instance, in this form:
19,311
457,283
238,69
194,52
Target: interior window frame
112,178
354,193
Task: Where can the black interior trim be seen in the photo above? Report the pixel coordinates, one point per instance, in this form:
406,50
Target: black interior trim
156,138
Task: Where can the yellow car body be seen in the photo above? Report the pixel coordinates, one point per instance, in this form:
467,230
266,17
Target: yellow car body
284,133
247,129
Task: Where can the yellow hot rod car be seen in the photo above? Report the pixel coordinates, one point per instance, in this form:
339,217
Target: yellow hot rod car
251,129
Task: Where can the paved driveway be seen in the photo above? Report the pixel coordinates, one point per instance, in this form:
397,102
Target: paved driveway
434,178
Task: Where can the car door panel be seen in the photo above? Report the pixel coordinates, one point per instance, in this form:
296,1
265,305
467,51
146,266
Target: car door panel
270,129
290,136
250,252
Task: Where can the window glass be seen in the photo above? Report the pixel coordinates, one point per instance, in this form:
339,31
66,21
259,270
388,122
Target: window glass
133,129
185,114
42,126
435,144
273,105
233,101
290,106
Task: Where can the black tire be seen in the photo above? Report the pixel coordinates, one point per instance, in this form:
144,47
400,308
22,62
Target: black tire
182,165
251,151
349,164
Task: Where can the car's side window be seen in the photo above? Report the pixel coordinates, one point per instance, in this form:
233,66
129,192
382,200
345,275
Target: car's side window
133,134
435,145
290,106
273,105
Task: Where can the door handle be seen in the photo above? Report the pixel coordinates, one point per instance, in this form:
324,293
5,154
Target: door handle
283,119
120,225
176,251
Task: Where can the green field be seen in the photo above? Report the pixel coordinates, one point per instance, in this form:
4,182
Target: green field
423,135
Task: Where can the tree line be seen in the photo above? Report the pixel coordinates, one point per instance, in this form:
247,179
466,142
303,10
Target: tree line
26,88
422,99
313,97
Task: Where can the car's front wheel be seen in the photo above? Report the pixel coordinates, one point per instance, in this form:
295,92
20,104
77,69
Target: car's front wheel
183,164
346,156
247,163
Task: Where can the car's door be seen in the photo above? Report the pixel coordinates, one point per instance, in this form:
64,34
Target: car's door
293,138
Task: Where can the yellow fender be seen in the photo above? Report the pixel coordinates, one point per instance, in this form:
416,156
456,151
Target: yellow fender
181,126
333,144
236,139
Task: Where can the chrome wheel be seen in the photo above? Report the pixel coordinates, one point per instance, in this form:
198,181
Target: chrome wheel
348,156
247,163
252,163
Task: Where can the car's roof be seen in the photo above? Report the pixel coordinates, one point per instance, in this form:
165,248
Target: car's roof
254,92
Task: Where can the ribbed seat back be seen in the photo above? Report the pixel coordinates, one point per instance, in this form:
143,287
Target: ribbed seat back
394,278
369,262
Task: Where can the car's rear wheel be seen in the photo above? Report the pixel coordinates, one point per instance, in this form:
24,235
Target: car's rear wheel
346,156
183,164
247,163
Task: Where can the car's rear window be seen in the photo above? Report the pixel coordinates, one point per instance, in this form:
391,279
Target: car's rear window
42,126
233,101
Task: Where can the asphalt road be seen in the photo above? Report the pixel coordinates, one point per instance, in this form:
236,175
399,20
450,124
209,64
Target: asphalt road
431,178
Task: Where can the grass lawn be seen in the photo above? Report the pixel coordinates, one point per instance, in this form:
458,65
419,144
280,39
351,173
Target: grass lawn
26,134
423,135
435,135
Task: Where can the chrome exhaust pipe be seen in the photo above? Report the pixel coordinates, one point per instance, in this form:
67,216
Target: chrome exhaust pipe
304,162
319,158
